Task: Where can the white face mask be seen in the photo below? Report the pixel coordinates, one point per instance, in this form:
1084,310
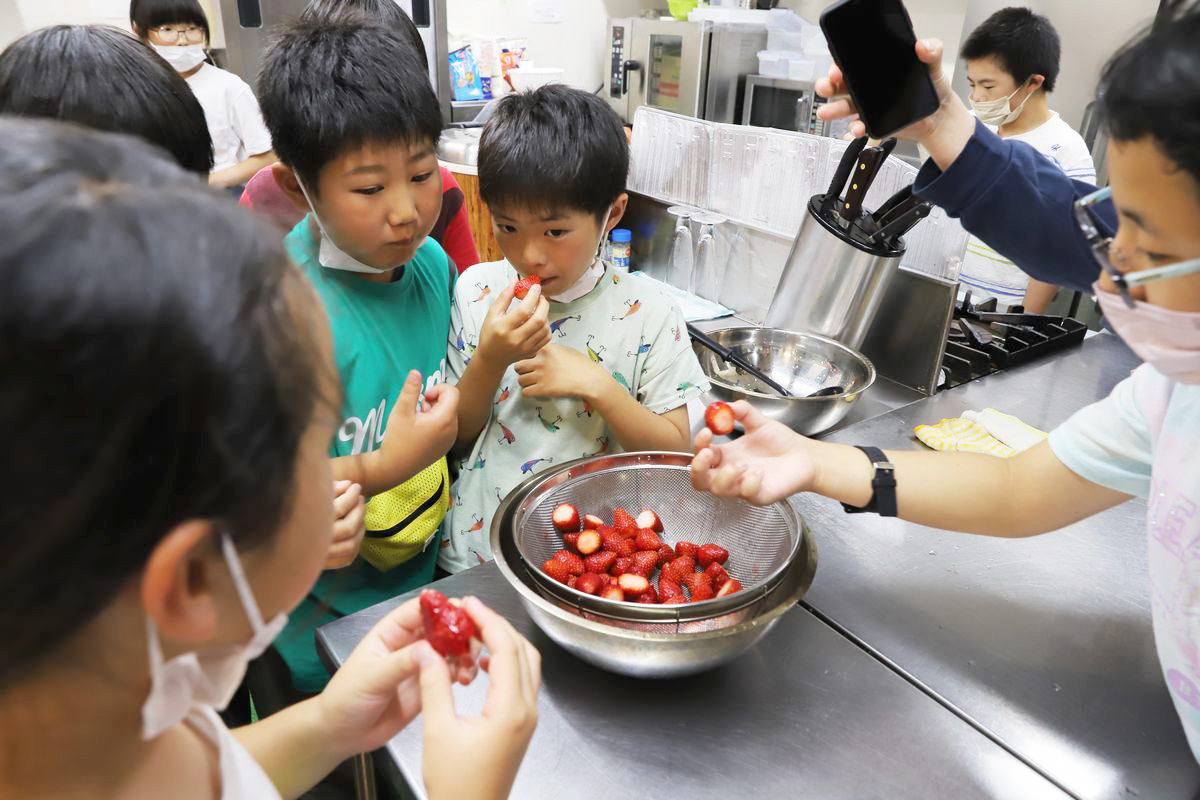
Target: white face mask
330,255
996,112
590,277
204,678
182,58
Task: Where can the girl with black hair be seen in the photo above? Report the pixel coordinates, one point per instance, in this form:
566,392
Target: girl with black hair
169,398
178,31
1140,441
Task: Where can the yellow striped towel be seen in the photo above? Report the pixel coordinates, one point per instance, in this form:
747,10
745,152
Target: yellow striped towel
963,435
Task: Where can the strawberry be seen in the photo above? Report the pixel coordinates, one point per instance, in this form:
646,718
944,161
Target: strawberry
647,539
588,542
649,596
632,584
572,581
523,286
716,574
622,565
719,418
624,523
665,554
708,553
574,563
674,600
699,587
589,583
601,562
668,588
569,539
686,549
592,522
648,519
678,568
618,544
644,562
729,587
447,627
556,569
565,517
613,593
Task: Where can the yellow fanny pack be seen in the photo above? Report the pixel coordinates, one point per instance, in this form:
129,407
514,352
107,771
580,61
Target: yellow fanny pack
401,521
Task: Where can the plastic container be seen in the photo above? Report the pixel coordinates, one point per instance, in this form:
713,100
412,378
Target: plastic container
679,8
786,64
620,248
525,78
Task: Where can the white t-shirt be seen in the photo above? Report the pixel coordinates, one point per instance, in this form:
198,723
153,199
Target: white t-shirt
1141,440
231,110
984,271
241,776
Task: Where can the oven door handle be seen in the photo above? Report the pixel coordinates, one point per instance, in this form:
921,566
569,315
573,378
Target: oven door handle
628,66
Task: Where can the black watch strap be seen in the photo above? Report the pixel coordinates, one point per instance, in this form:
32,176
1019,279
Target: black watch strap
883,499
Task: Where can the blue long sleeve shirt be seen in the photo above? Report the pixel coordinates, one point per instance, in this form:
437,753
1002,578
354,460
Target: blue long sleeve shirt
1021,205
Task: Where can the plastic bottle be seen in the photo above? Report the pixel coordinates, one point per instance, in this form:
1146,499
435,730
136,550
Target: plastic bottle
620,248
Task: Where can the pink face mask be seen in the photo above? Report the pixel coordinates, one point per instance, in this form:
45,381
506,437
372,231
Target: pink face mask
1167,340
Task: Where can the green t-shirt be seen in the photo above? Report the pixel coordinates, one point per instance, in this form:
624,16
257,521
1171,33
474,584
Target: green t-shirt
380,332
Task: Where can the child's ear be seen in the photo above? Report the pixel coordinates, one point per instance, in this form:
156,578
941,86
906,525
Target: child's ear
285,178
177,583
618,211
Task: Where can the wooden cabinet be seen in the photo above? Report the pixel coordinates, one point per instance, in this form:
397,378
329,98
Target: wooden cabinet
477,212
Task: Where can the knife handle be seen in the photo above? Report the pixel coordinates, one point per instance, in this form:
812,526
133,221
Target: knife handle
859,183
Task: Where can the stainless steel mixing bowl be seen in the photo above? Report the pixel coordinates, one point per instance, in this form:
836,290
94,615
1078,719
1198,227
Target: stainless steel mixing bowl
802,363
771,553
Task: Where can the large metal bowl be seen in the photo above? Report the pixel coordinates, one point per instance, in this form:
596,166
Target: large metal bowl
641,641
802,363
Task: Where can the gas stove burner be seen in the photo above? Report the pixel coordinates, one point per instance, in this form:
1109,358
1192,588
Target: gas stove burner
982,341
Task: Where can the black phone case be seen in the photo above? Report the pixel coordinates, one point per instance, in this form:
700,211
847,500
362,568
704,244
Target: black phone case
873,132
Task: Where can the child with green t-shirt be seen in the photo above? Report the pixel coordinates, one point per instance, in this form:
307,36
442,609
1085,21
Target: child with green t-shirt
593,359
355,122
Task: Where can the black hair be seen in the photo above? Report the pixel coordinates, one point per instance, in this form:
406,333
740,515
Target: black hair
160,365
1152,88
147,14
554,147
329,87
105,79
1023,42
385,12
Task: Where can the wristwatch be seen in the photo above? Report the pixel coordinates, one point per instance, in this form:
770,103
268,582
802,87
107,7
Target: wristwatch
883,500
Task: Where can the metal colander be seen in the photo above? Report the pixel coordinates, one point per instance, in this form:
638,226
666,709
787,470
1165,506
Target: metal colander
762,541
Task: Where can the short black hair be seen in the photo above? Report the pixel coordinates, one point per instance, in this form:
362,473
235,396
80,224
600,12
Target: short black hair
554,147
105,79
1023,42
328,87
387,13
160,364
147,14
1152,88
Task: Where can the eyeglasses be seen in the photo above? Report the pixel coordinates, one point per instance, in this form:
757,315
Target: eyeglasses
1101,246
167,35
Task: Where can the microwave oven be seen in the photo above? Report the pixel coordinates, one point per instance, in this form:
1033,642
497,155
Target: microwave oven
789,105
697,69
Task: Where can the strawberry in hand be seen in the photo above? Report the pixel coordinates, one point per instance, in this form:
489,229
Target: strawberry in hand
523,286
448,629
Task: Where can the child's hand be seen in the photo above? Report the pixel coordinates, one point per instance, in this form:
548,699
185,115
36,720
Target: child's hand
511,335
378,690
478,757
560,371
348,529
415,439
768,463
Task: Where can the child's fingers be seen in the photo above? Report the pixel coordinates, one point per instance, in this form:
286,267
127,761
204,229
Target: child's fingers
437,700
503,643
345,502
501,303
341,486
410,395
726,480
703,439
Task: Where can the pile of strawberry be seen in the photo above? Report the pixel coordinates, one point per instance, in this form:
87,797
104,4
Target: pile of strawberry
618,562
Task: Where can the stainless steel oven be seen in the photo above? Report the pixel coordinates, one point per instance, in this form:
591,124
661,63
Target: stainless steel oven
694,68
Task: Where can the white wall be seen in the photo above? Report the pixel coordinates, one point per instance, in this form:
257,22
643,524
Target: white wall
40,13
1088,39
12,25
578,44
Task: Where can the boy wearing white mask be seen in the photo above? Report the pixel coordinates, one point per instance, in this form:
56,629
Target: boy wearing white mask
1140,441
1012,62
592,360
167,502
355,123
178,31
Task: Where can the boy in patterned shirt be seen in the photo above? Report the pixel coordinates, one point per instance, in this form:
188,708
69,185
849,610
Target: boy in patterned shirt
593,360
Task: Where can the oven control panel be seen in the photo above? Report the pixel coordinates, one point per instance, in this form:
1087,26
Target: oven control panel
616,83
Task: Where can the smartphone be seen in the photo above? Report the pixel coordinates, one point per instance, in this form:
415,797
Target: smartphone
873,43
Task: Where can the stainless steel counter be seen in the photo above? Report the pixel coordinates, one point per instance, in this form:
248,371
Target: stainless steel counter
1044,642
806,713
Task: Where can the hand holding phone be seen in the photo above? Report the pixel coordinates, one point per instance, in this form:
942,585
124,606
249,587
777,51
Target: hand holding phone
873,43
